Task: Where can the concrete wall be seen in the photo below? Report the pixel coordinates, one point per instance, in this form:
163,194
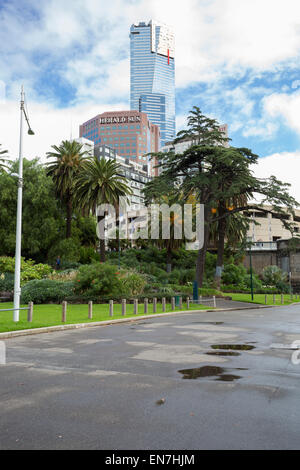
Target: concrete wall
261,260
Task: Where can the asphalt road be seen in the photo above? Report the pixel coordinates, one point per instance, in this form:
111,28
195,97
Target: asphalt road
150,384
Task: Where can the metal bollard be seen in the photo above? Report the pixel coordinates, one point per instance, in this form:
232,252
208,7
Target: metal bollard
200,299
135,306
282,300
64,312
163,304
266,299
90,310
111,308
146,305
154,305
173,303
180,303
214,301
30,312
123,307
187,303
274,299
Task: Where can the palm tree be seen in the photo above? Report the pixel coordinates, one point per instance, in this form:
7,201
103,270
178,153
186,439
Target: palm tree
3,160
171,244
100,182
69,158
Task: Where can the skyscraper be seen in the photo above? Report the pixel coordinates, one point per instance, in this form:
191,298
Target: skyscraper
152,75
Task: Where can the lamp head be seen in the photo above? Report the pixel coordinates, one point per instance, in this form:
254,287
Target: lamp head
30,131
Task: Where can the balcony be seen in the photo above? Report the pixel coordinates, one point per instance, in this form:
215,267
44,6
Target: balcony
263,246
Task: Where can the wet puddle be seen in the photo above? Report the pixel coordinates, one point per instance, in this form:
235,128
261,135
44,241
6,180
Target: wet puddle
233,347
210,371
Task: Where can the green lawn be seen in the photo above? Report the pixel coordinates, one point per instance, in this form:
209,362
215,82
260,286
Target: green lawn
50,315
260,299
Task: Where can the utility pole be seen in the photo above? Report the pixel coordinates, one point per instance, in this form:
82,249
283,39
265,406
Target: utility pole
17,284
251,272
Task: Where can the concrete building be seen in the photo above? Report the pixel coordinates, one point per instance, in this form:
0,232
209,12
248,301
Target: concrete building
152,74
274,245
136,173
129,133
137,176
270,228
180,147
87,145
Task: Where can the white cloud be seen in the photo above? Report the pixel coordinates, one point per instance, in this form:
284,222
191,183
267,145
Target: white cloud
86,44
213,38
286,106
50,125
285,166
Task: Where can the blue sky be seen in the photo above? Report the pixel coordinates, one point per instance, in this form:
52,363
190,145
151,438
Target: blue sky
237,60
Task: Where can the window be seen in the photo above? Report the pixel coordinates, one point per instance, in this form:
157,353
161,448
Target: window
280,216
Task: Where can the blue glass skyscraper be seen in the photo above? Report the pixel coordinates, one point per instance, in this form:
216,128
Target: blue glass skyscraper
152,75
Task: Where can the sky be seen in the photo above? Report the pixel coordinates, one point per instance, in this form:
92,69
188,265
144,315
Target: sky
238,60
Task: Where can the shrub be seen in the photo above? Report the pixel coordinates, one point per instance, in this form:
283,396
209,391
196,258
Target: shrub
6,282
63,276
37,271
98,279
273,275
256,282
46,291
7,264
88,255
282,287
133,283
29,270
234,274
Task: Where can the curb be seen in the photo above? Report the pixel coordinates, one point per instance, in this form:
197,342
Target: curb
76,326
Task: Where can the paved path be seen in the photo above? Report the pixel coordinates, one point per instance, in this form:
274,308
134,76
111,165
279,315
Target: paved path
100,388
231,304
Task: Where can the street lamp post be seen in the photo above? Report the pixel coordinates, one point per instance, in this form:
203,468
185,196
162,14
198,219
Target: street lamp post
17,285
251,273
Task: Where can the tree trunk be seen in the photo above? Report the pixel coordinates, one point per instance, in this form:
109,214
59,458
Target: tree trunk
102,237
169,260
69,217
102,251
200,263
221,244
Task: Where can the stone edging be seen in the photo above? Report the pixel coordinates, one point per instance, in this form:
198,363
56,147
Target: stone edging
75,326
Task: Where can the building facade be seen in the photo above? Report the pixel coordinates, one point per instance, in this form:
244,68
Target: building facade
184,144
87,145
152,75
135,173
137,176
266,228
129,133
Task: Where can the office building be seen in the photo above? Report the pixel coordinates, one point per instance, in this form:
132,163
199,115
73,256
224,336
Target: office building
129,133
152,75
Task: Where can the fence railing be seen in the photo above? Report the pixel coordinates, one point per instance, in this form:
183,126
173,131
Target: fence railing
176,301
29,310
201,300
